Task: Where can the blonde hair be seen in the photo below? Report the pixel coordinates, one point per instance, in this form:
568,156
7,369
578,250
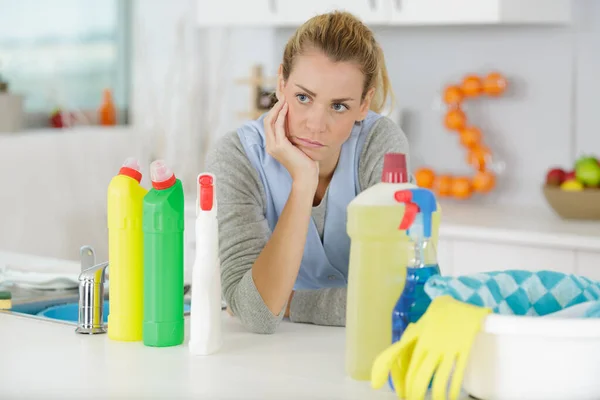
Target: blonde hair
343,37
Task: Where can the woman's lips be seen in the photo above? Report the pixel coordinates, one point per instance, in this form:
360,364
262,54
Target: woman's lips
309,143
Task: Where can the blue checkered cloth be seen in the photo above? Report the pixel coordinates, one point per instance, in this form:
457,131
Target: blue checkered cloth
517,292
593,311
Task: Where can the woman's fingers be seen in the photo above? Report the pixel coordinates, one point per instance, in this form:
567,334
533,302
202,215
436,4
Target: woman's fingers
280,124
272,115
269,121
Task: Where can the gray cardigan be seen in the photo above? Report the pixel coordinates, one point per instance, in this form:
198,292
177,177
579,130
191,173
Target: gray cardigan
244,231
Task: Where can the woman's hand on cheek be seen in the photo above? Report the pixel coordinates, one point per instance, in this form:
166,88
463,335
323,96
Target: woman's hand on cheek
303,170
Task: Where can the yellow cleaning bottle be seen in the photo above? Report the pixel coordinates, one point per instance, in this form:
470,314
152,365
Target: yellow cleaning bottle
126,253
379,253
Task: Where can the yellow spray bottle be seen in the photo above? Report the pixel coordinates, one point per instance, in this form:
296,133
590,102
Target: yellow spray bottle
126,253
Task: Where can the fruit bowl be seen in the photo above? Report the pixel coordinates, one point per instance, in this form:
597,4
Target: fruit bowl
575,194
582,205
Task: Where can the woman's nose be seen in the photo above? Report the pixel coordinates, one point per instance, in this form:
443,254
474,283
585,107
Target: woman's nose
316,121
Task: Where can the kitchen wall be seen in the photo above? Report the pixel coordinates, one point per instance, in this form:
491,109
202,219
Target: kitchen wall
51,204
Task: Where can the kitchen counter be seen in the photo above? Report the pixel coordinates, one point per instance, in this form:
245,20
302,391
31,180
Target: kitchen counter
535,226
49,360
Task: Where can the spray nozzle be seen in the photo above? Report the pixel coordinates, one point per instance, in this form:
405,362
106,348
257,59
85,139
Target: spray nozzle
417,201
206,193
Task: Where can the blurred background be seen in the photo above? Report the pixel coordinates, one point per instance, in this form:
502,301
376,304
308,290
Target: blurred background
88,83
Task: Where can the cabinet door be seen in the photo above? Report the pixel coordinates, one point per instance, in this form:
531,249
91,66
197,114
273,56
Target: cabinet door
471,257
236,13
415,12
448,12
294,13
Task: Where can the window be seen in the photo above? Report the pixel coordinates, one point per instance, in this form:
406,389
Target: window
64,53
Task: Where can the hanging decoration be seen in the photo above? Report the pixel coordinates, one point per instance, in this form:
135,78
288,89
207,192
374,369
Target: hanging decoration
479,156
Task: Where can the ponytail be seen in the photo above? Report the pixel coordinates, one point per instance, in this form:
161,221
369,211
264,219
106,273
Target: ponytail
382,84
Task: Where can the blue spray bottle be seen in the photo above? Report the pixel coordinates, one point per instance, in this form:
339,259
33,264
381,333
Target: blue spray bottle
423,264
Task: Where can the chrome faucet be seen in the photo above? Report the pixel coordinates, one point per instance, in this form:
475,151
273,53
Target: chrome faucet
91,293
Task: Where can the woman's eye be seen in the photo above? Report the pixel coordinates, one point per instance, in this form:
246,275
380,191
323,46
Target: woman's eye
339,107
302,98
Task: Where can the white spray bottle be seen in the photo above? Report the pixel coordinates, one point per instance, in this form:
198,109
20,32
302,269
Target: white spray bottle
205,315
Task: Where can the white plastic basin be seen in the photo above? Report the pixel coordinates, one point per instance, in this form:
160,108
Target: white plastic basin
535,358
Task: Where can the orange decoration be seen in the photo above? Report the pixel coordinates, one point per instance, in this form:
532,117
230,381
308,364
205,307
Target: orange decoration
453,95
494,84
455,119
461,188
470,136
472,86
484,181
478,155
443,185
425,178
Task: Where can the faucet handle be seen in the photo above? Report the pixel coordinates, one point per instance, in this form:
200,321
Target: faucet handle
87,257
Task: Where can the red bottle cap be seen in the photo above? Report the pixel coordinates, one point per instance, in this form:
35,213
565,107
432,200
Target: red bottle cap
131,168
394,168
162,177
206,187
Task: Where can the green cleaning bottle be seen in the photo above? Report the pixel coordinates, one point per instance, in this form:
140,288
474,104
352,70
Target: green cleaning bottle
163,216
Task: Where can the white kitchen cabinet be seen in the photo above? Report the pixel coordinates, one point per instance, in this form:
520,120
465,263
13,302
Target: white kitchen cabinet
248,13
289,13
459,12
295,13
588,264
471,257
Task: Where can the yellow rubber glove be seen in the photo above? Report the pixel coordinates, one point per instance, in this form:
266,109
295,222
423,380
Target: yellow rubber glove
394,361
430,348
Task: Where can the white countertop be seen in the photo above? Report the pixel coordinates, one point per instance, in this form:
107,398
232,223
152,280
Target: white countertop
534,226
49,360
46,360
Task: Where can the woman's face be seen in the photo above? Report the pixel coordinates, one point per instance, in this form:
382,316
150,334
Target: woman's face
324,101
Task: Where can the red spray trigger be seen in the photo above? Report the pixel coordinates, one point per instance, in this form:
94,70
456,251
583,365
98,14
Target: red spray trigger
206,192
410,211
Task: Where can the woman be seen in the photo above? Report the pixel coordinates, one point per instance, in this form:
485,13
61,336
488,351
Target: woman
284,181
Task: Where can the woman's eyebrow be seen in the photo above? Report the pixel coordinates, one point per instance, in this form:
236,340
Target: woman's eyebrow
313,94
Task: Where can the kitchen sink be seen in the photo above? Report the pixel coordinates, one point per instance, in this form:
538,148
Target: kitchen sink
58,306
59,303
32,303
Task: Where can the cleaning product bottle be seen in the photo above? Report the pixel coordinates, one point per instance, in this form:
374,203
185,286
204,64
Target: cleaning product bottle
163,224
126,253
423,263
205,323
378,258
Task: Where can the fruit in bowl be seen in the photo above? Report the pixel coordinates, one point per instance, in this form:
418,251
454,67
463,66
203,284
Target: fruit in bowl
584,175
555,176
587,171
575,194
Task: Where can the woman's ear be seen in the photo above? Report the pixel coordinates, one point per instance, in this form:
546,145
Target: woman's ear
280,83
366,104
